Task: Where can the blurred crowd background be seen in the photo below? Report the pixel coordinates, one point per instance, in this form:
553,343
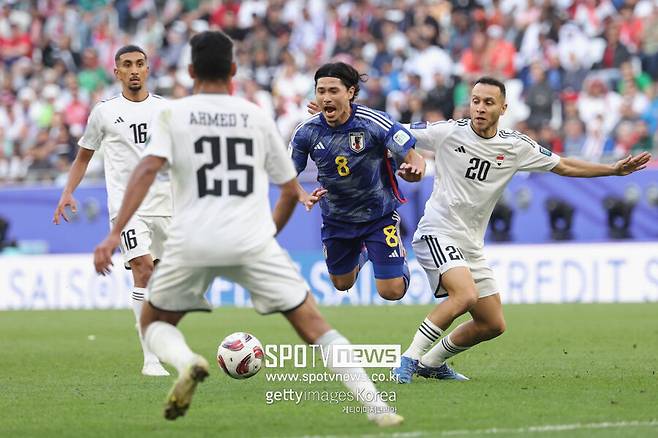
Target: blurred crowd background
581,74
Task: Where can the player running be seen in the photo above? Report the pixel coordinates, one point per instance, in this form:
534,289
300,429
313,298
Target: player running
474,162
355,149
120,126
222,151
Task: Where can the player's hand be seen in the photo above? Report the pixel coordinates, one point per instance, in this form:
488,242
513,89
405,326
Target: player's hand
410,173
66,200
632,164
312,108
103,254
313,198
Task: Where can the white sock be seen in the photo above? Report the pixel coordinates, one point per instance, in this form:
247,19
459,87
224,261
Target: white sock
426,335
441,352
355,379
139,295
168,344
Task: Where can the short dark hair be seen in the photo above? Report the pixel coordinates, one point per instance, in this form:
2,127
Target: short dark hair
130,48
212,55
488,80
347,74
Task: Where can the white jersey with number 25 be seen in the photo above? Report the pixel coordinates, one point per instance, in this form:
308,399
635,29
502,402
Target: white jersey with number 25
222,152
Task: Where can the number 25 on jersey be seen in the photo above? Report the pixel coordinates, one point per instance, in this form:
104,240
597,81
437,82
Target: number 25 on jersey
242,184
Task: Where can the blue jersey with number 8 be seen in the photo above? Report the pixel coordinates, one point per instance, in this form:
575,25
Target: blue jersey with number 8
356,162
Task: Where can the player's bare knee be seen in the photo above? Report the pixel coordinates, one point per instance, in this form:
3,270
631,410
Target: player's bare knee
465,299
343,284
391,293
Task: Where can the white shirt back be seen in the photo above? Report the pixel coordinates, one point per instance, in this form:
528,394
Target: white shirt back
471,174
121,127
221,150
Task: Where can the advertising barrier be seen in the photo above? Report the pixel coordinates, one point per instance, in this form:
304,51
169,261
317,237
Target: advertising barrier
554,273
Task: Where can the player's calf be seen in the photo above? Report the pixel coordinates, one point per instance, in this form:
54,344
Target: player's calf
490,330
142,269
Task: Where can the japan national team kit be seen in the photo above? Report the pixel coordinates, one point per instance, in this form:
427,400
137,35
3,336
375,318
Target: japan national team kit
356,163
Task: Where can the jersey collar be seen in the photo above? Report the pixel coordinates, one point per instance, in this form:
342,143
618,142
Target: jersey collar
132,101
479,136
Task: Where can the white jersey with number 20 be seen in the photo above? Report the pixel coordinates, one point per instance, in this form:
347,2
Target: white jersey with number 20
471,174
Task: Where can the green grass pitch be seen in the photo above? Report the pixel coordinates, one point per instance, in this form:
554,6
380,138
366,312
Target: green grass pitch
580,370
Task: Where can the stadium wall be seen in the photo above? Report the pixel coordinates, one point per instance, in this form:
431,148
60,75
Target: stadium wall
557,273
29,212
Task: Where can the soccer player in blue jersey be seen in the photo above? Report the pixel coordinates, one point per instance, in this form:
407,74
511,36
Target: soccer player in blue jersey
356,150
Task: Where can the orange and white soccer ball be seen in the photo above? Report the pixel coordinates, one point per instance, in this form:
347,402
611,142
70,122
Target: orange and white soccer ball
240,355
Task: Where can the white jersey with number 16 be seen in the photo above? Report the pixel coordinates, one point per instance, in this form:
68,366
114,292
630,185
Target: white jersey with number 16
221,150
120,128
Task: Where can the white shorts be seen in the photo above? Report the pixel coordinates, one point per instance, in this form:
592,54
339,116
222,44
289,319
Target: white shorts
144,235
438,254
271,278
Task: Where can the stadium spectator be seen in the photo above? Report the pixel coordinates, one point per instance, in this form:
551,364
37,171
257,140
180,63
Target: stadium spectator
539,97
16,45
574,138
445,44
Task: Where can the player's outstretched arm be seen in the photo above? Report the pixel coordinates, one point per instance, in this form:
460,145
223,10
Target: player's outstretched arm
584,169
413,168
139,183
77,171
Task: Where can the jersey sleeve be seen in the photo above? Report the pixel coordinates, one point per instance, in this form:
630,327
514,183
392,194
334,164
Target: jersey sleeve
159,142
430,136
533,157
399,141
298,148
278,164
93,135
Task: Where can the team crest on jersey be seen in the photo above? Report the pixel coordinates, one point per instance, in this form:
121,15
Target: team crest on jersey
356,141
499,159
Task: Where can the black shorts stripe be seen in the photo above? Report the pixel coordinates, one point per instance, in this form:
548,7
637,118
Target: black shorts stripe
437,249
431,248
436,242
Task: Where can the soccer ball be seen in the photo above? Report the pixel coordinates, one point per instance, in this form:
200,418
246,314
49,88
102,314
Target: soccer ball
240,355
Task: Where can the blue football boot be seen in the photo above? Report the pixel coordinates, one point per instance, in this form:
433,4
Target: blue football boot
405,371
442,372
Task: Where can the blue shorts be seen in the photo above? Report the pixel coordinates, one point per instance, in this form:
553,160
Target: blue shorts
344,241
